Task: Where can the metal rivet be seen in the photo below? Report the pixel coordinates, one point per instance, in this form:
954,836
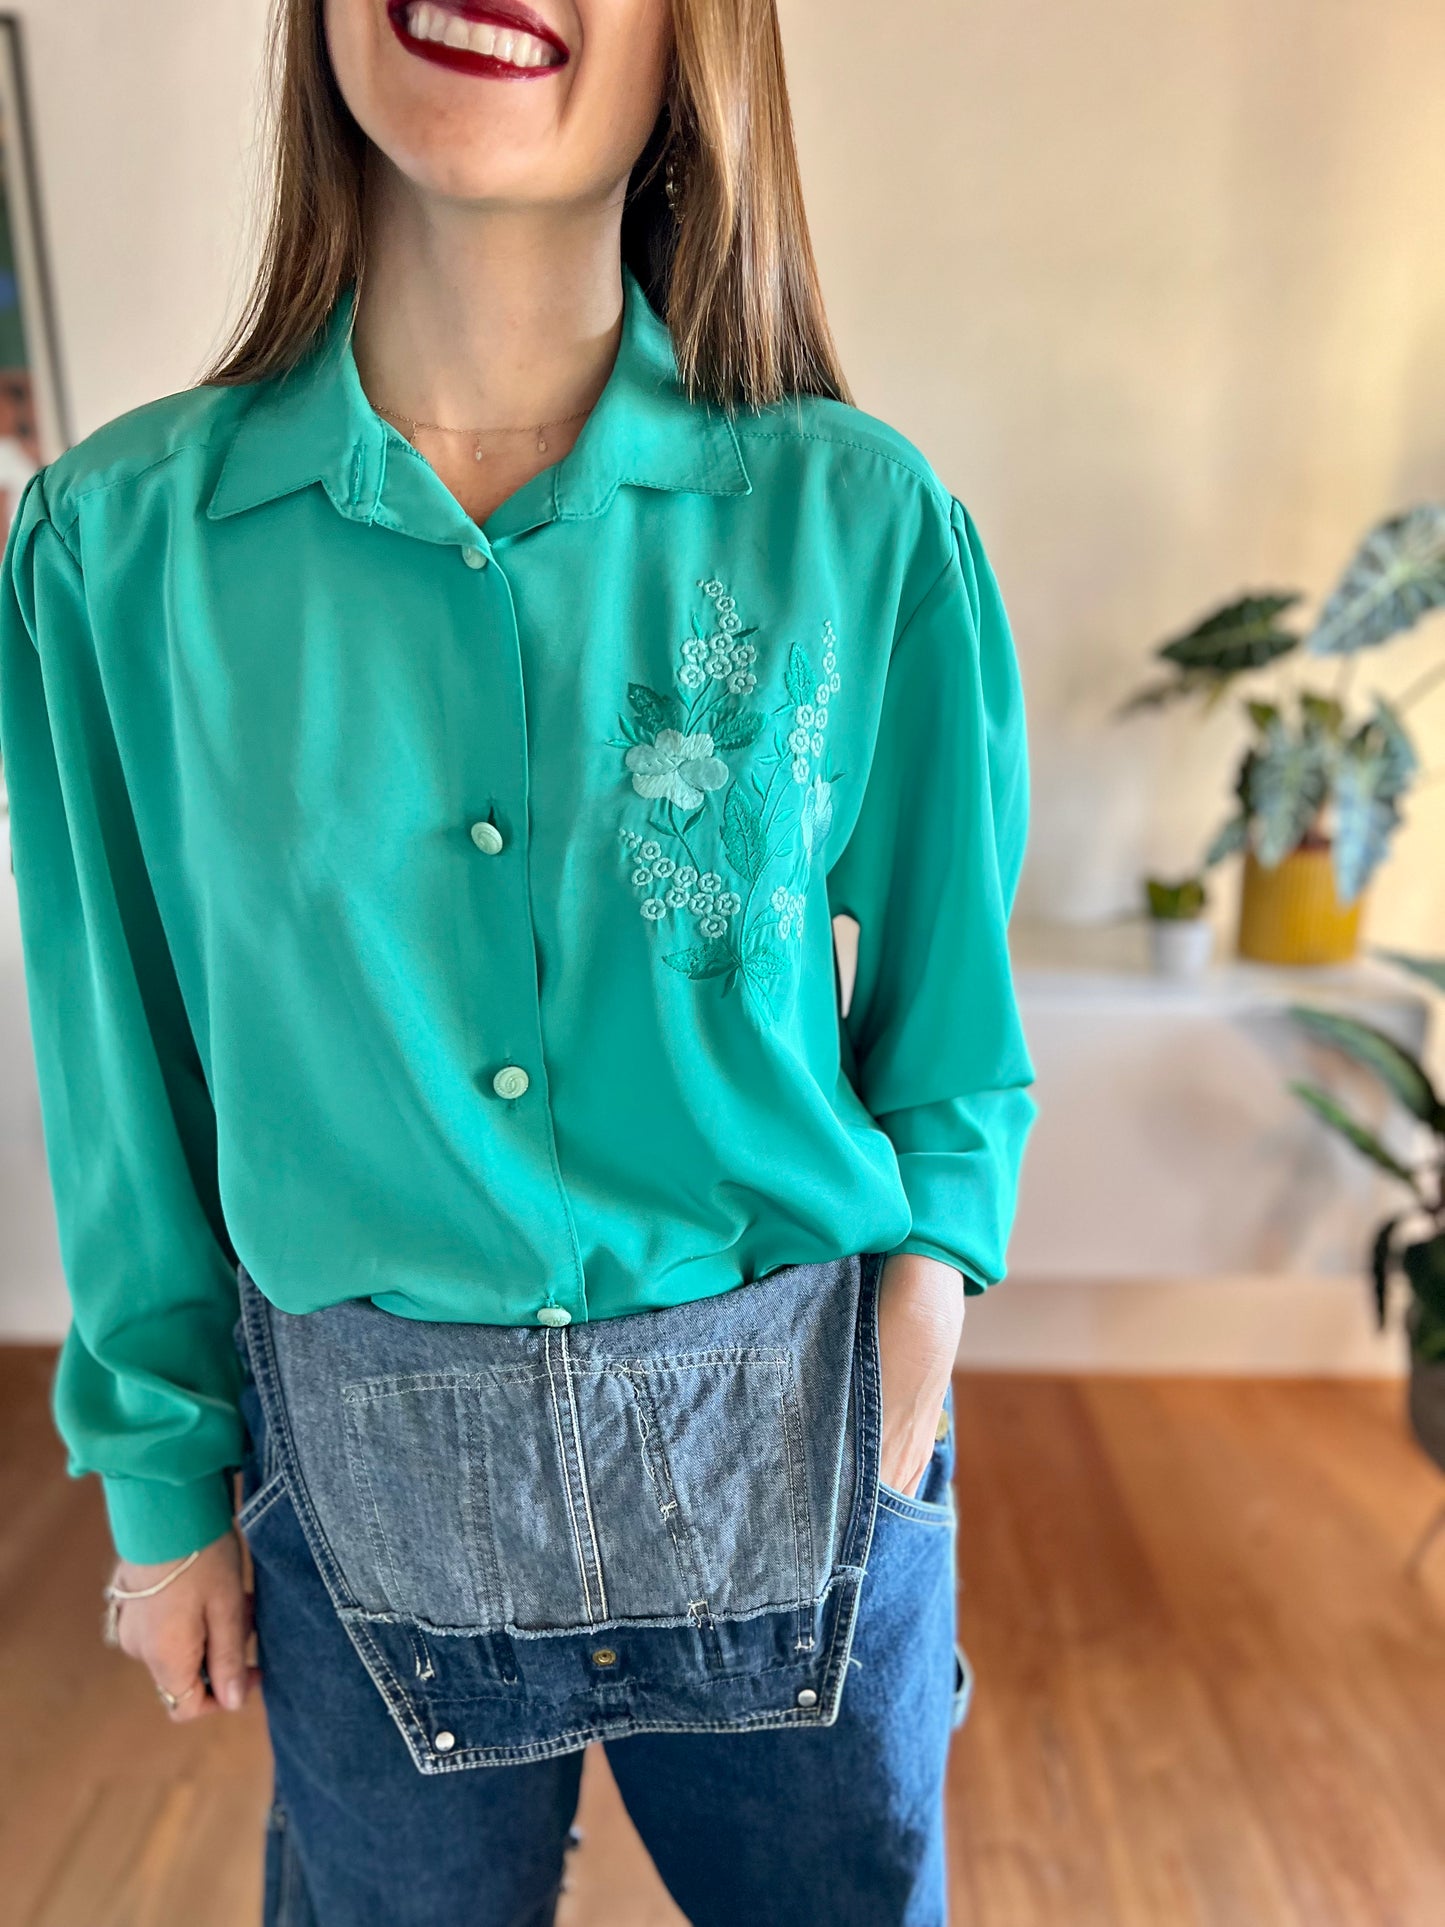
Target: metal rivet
807,1697
444,1742
604,1656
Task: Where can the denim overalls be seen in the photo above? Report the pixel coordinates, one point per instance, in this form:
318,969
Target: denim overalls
533,1538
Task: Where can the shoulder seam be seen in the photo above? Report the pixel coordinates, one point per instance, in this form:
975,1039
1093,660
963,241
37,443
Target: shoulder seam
83,492
923,474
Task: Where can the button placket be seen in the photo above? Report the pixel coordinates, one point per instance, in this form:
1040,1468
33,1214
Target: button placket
503,898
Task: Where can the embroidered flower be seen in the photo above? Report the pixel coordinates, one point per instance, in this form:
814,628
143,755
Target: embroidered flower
653,908
642,878
710,880
686,877
681,768
729,903
801,769
714,926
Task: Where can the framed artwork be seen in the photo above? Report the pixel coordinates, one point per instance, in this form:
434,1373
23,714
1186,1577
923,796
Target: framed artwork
34,419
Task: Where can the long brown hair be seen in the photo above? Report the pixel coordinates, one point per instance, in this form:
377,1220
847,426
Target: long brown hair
727,262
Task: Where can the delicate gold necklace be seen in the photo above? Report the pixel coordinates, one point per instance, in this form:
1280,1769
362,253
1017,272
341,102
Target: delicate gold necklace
411,425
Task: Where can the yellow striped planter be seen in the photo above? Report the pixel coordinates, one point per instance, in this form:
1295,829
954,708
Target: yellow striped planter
1292,914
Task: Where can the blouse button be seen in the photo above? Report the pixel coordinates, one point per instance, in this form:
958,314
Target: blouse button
554,1315
487,837
510,1081
474,558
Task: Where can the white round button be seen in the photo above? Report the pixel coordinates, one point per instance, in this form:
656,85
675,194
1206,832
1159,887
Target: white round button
474,558
554,1315
487,837
807,1697
510,1081
444,1742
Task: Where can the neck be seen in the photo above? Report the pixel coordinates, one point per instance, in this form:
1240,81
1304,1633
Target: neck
479,318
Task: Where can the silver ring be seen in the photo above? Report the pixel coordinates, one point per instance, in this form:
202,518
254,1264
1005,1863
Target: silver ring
173,1700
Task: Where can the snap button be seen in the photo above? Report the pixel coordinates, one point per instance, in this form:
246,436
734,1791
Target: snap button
444,1742
474,558
940,1431
510,1081
604,1656
554,1315
487,837
807,1697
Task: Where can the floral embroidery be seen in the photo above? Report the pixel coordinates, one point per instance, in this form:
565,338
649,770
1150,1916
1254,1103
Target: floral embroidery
765,814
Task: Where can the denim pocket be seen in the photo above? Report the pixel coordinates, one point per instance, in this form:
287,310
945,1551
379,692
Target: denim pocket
582,1491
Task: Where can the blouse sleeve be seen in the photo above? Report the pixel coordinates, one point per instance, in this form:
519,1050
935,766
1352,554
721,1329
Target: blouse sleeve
932,1039
145,1391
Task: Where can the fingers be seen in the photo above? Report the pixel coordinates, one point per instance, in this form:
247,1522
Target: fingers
191,1636
227,1629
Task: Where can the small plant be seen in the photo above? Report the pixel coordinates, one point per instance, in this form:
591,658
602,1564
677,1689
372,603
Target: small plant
1316,772
1412,1242
1175,902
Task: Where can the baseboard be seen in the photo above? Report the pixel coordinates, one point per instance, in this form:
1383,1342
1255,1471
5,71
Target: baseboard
1269,1326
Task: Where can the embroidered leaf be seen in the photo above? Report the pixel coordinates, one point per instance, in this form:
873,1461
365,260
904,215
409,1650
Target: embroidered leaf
742,833
653,711
704,960
799,681
738,730
762,966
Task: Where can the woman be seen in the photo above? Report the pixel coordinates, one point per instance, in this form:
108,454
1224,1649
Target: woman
438,744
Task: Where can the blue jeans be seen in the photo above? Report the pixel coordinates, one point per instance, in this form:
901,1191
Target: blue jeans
481,1547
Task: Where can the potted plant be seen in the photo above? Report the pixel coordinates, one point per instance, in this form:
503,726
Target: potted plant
1320,787
1180,935
1412,1243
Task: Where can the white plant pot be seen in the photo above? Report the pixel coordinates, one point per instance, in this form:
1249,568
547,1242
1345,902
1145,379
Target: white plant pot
1181,946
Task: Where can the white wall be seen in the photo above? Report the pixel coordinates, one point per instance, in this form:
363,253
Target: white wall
1158,289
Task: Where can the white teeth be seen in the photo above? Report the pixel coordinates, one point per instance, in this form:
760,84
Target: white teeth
424,21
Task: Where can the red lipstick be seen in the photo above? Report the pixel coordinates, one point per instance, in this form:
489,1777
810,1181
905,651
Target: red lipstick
505,15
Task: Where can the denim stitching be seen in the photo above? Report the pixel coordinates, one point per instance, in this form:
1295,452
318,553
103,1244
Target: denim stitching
261,1501
582,1474
381,1550
567,1484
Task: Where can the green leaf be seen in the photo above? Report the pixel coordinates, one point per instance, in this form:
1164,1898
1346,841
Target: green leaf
737,730
1322,715
1262,714
1365,1142
705,960
1288,781
1396,576
742,833
1399,1071
653,710
1234,836
799,681
1366,818
763,964
1158,695
1430,969
1239,636
1382,1257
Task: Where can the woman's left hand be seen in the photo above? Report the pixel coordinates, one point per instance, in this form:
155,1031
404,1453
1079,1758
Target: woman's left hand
920,1321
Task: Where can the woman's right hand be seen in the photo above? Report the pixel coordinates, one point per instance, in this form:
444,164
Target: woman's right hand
203,1616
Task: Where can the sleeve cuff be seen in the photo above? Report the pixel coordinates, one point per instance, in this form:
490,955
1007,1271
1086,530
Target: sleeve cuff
152,1520
973,1285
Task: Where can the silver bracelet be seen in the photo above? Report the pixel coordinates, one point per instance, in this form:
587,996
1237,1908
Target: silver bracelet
113,1594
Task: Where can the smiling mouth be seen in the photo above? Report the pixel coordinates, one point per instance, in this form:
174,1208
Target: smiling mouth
502,41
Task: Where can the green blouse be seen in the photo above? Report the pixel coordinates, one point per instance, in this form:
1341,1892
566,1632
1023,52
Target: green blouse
439,913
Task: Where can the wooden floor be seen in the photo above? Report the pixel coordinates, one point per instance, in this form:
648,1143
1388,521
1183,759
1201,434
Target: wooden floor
1208,1691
